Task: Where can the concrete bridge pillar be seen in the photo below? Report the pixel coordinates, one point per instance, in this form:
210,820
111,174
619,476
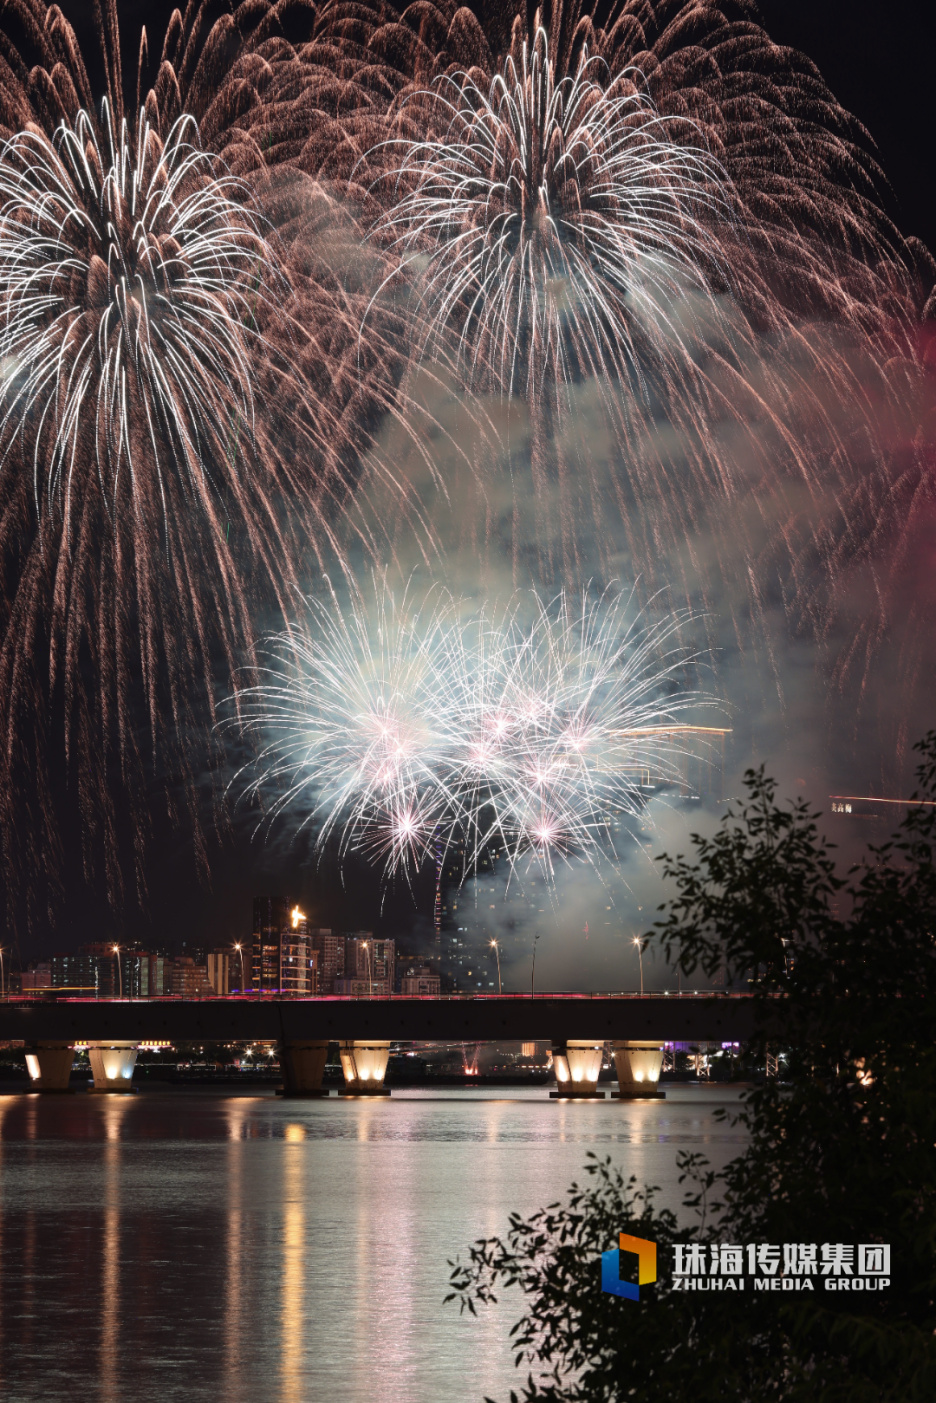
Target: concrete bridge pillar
364,1063
112,1065
638,1070
577,1063
49,1065
303,1066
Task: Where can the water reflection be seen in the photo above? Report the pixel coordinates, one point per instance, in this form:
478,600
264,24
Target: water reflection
292,1307
235,1318
237,1250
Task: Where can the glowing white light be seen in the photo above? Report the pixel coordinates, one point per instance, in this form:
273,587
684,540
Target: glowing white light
125,307
530,675
553,224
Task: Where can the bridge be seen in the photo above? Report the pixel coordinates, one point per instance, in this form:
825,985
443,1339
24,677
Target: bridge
577,1026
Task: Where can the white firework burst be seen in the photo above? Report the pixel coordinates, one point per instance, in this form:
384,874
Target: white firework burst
129,272
554,224
424,725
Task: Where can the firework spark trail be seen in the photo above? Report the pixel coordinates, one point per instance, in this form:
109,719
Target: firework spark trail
128,292
397,726
764,368
805,190
146,601
561,227
554,221
125,292
182,400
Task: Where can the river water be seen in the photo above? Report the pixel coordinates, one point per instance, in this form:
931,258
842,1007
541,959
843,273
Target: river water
246,1249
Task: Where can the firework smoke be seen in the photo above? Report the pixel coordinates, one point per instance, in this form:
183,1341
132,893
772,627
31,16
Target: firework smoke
662,236
526,729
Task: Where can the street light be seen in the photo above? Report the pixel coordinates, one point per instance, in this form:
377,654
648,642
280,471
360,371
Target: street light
533,970
240,950
119,970
640,958
497,951
370,977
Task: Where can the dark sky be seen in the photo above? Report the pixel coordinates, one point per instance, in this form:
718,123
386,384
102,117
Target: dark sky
877,59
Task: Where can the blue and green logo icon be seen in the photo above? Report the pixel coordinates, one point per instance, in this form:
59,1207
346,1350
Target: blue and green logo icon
646,1255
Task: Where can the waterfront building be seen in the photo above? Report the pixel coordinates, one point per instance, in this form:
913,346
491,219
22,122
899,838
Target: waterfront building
189,980
283,960
218,966
38,976
160,975
369,959
362,988
78,974
118,970
467,920
298,963
329,951
416,981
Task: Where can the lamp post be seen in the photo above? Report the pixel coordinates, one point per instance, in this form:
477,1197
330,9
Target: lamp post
240,950
533,970
119,970
640,958
497,953
370,976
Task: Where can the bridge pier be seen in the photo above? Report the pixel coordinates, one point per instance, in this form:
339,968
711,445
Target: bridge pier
112,1066
577,1064
364,1063
49,1065
638,1070
303,1066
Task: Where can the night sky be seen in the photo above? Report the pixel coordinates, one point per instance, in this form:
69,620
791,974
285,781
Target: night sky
878,61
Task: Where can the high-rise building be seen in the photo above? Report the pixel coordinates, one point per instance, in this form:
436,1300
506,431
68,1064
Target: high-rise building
329,951
469,922
79,974
369,959
220,965
160,975
189,980
298,963
355,963
270,915
282,958
111,970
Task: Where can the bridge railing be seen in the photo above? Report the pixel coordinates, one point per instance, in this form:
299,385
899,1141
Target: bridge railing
44,996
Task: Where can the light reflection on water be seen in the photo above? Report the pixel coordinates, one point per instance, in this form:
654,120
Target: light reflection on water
247,1249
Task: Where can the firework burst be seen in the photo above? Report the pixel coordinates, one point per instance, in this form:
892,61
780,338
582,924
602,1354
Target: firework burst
153,296
408,728
129,275
663,233
662,236
554,221
802,186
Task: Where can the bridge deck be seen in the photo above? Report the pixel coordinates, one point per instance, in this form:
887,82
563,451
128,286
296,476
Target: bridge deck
728,1018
